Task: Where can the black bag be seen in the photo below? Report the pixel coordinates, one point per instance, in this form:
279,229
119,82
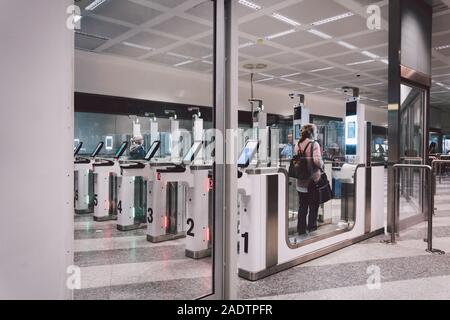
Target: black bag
299,167
321,190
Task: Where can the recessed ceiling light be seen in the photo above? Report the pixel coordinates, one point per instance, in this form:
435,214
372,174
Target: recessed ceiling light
370,54
332,19
306,84
286,19
182,63
207,57
359,62
374,84
288,80
385,61
346,45
176,55
442,47
322,69
266,75
247,44
94,5
440,84
207,62
290,75
138,46
280,34
263,80
250,5
320,34
316,92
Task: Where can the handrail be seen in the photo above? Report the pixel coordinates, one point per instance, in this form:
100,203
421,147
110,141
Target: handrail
429,171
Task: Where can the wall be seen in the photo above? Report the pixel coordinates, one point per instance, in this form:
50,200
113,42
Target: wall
36,188
110,75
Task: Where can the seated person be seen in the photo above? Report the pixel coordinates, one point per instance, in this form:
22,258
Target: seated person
137,151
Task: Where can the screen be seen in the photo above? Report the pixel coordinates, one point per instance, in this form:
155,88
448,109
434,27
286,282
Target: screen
298,130
121,150
152,151
351,108
351,130
248,153
97,150
298,113
192,153
109,142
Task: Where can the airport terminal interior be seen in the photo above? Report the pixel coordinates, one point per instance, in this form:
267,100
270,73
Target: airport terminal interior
176,138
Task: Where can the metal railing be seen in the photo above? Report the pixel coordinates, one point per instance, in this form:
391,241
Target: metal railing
429,174
438,169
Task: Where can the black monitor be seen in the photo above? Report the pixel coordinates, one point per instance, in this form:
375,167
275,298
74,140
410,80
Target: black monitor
97,149
121,150
77,148
152,151
251,148
192,153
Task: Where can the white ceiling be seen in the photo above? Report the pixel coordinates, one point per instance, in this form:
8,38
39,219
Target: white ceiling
179,33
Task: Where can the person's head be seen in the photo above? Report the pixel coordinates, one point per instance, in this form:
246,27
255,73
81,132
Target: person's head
290,138
139,140
309,131
433,145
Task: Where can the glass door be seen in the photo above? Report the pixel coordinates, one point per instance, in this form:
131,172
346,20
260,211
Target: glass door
412,150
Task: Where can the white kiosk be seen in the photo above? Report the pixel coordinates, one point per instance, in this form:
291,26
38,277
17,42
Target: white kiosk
264,244
126,189
105,173
83,180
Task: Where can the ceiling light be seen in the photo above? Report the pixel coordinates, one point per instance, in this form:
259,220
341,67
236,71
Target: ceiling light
306,84
320,34
207,57
176,55
442,47
346,45
286,19
440,84
250,5
291,75
385,61
332,19
315,92
245,45
94,5
133,45
374,84
77,18
370,54
207,62
262,80
266,75
287,80
182,63
359,62
281,34
322,69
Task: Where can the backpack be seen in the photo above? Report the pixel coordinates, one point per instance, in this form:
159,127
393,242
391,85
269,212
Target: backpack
299,167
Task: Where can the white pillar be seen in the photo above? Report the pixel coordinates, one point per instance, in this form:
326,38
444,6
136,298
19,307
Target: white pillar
36,163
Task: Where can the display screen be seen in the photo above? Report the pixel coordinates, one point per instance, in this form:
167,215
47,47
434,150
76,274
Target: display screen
109,143
121,150
351,130
152,151
351,108
298,130
192,153
351,135
298,113
97,150
248,153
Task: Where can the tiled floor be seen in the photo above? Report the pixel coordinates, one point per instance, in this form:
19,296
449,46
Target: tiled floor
124,265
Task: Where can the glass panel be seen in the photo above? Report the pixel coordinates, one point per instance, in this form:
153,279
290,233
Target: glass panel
411,148
147,217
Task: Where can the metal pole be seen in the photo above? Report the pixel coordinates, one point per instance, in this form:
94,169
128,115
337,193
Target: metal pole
396,206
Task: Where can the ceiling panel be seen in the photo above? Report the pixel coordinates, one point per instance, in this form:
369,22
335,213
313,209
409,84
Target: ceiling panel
198,66
309,11
192,50
126,11
87,43
168,3
344,27
311,65
441,23
101,28
181,27
370,39
297,39
303,77
326,49
259,50
151,40
204,10
280,72
122,50
263,26
287,58
165,59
